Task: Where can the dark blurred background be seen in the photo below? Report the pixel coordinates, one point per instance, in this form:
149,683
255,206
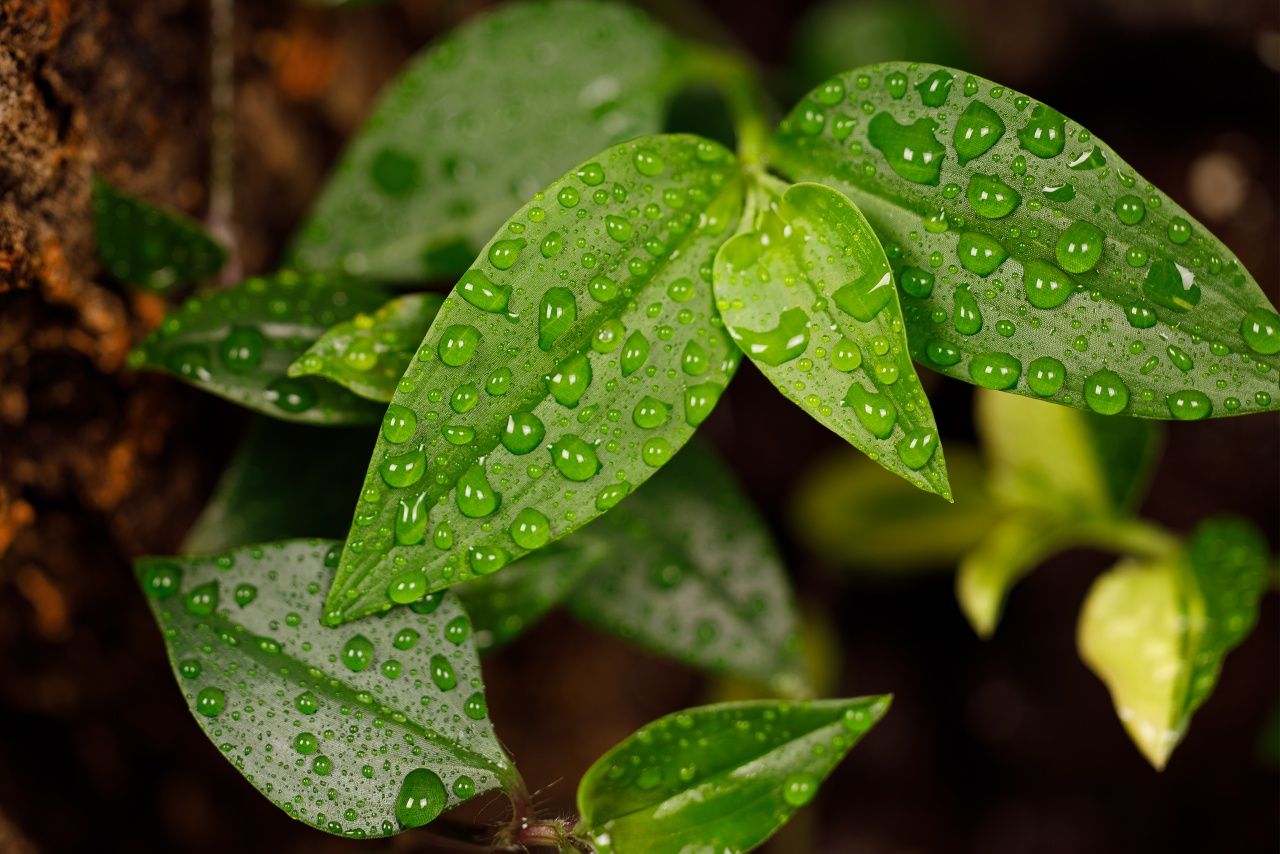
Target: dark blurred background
999,747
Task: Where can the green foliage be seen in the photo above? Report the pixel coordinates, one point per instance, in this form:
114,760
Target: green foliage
1031,258
148,246
369,353
361,732
571,361
806,292
717,778
480,121
239,343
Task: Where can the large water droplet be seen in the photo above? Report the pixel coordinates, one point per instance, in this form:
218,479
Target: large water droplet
978,128
475,497
911,150
556,314
1105,392
575,458
421,798
780,344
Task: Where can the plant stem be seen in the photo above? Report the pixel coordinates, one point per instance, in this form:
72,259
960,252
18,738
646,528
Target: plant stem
222,96
1136,537
738,81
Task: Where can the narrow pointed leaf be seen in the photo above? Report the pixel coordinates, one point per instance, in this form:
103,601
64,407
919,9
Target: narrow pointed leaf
1030,257
808,296
1156,632
370,352
363,731
145,245
717,778
570,362
477,124
239,343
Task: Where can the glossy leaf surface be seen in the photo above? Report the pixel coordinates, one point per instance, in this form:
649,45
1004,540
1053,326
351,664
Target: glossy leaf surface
571,361
1157,632
239,343
477,124
368,353
807,294
362,731
717,778
145,245
1030,257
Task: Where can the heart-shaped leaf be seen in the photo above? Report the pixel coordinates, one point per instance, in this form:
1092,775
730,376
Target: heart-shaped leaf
806,292
572,360
1031,258
477,124
148,246
370,352
1156,632
362,732
717,778
239,343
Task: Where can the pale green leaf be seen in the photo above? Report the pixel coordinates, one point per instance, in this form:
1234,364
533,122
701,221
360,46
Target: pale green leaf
571,361
806,292
369,353
1031,258
362,731
717,778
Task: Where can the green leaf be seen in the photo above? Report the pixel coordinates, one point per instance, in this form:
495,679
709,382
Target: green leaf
1031,258
370,352
1156,632
807,294
480,121
691,571
239,343
148,246
851,512
717,778
570,362
273,490
361,732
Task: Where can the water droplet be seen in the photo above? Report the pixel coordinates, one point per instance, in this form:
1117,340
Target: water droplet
863,299
1260,329
1045,376
1189,405
603,289
991,198
995,370
799,789
162,579
1043,135
916,448
1180,359
503,253
190,669
1047,287
411,520
936,88
442,673
874,410
458,630
634,353
941,353
619,228
557,313
845,355
245,594
912,151
475,497
398,424
1105,392
481,291
570,380
648,162
203,600
241,350
966,315
530,529
306,703
403,470
475,707
210,701
291,395
916,282
458,345
1079,248
464,787
980,253
407,587
405,639
783,342
523,433
421,798
357,653
1140,316
1179,230
306,743
978,128
650,413
1172,286
694,360
1130,210
699,400
575,458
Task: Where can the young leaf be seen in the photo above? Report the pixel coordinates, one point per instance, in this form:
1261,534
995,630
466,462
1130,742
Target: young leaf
807,294
361,732
1031,258
717,778
1156,632
370,352
477,124
571,361
239,343
148,246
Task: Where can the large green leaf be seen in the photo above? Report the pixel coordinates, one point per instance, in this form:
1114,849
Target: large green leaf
570,362
370,352
239,343
806,292
1157,631
1031,258
149,246
362,732
717,778
476,124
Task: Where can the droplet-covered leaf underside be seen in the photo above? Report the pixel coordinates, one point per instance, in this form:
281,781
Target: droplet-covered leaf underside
1029,256
571,361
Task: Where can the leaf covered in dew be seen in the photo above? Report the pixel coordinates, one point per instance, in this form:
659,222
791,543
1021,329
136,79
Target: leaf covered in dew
361,731
807,294
1029,256
238,343
573,359
718,778
476,124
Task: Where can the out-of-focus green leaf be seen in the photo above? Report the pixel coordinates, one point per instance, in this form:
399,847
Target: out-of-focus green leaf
362,732
717,778
570,362
806,292
273,489
370,352
148,246
239,343
853,513
1157,631
477,124
1031,258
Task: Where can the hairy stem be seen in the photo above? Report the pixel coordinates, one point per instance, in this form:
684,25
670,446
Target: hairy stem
222,95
